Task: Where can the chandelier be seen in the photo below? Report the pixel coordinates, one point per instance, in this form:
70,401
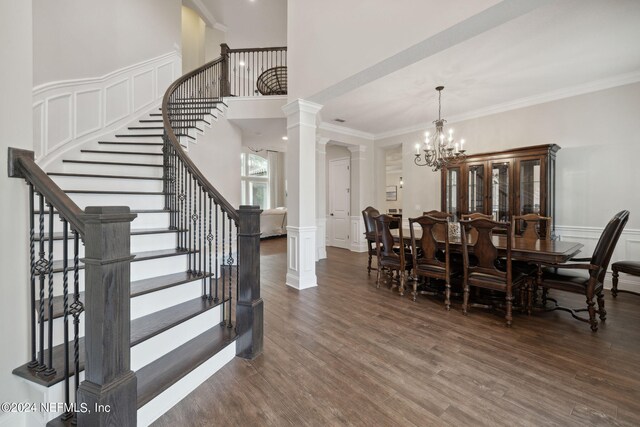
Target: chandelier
440,149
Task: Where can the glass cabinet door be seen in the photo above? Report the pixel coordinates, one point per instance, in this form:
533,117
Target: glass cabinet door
475,188
500,191
452,191
530,180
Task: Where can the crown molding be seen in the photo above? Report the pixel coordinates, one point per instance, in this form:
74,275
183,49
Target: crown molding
301,105
343,130
220,27
594,86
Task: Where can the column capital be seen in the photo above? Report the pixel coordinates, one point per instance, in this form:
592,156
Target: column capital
322,140
301,106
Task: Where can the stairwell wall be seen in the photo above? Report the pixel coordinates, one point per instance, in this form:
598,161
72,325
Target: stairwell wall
15,121
77,39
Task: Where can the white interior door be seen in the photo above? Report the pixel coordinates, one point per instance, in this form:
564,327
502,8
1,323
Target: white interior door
339,202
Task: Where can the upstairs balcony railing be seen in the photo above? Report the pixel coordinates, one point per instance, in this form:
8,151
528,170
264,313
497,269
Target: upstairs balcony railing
254,72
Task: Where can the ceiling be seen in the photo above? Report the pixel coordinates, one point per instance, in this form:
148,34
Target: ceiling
263,133
561,49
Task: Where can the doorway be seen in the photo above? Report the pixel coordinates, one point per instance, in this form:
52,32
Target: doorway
339,203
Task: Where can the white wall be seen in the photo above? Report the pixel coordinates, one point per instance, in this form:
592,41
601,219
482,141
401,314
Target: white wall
193,40
217,155
212,40
252,23
74,39
15,120
599,136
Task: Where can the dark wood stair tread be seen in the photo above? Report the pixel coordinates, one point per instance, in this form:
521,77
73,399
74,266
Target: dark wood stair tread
165,371
142,329
137,153
142,135
142,143
139,256
147,193
134,232
138,288
96,162
91,175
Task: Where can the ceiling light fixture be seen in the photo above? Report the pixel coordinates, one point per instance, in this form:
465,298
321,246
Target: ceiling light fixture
440,149
285,138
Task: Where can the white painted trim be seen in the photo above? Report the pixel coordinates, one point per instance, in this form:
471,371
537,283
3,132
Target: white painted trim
208,16
347,131
594,86
356,234
37,90
301,257
302,106
255,98
127,76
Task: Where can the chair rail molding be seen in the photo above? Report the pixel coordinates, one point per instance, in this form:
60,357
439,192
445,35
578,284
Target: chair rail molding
628,248
69,113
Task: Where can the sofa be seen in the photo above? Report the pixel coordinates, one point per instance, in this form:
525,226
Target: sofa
273,222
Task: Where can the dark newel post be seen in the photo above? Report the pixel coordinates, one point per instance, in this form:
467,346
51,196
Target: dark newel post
249,308
109,388
224,53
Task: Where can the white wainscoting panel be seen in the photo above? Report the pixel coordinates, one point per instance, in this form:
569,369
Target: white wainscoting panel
628,248
88,111
117,102
144,92
69,113
59,120
358,241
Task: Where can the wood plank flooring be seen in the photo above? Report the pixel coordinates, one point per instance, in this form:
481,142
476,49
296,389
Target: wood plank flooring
346,353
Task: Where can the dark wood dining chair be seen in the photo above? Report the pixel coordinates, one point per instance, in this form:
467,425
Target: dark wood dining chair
370,233
489,272
438,214
586,278
476,215
426,262
631,268
532,226
391,256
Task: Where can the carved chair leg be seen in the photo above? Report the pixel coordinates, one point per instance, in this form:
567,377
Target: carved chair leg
545,293
415,287
509,315
530,287
614,279
401,288
378,277
465,299
591,307
447,295
369,265
601,311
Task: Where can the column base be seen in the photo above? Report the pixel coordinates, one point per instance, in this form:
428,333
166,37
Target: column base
321,241
110,404
301,257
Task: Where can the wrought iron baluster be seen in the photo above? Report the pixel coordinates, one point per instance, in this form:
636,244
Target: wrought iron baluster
200,234
41,268
190,270
65,306
230,269
194,218
32,279
210,239
50,369
222,269
216,299
76,309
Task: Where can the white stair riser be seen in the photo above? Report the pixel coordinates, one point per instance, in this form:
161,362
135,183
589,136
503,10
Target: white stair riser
143,220
158,267
126,147
91,183
178,391
155,347
100,169
58,330
139,243
55,393
122,157
134,201
131,137
149,303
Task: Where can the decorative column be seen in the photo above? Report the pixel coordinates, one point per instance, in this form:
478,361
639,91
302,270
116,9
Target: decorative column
301,193
321,207
361,194
110,386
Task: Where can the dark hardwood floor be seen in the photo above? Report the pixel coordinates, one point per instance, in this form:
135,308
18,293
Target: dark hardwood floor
346,353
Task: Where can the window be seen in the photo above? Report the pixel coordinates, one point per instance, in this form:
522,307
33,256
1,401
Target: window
254,171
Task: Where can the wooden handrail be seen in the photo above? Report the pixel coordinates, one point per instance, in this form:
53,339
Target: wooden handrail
257,49
173,139
22,165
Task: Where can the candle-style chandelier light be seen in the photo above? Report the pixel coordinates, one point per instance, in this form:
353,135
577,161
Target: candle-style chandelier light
440,149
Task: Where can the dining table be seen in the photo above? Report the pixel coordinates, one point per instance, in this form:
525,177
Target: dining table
522,249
